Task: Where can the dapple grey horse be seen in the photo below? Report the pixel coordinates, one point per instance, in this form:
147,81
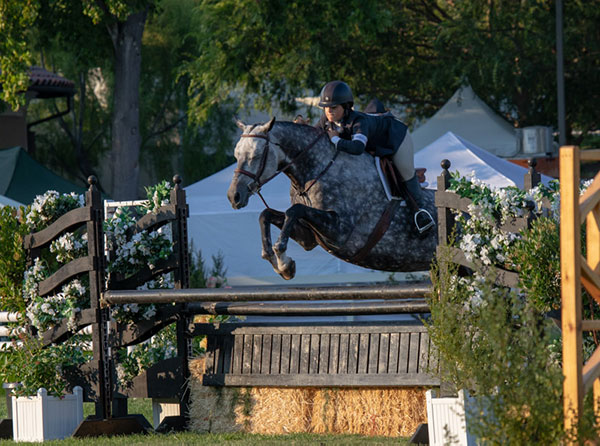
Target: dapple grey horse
337,201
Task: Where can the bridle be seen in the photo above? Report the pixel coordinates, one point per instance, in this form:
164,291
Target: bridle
257,184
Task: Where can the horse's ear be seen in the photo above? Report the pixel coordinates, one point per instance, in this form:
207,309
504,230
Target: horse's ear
240,124
269,125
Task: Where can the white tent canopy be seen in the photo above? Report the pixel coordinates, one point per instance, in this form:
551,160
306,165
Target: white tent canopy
5,201
465,157
467,116
214,227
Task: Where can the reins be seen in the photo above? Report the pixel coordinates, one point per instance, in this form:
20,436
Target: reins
263,161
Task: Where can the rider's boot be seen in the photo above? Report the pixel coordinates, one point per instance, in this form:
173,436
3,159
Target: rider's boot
422,219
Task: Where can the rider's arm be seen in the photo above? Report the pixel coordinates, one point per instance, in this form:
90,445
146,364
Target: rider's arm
355,146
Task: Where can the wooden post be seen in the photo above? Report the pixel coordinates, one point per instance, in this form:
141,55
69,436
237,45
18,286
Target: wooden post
182,281
570,267
532,177
99,335
445,217
593,260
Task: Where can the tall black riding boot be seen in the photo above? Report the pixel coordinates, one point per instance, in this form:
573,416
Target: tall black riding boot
422,218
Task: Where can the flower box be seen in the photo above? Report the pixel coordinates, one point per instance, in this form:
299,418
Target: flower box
448,419
43,417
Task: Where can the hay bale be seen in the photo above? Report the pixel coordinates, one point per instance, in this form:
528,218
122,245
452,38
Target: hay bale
275,410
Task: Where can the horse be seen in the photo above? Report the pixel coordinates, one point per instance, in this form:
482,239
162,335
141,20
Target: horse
337,201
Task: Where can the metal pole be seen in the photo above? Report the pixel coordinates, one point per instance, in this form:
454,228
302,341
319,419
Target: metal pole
258,294
560,76
310,308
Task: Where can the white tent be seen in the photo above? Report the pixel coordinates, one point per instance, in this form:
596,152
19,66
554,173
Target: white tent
466,115
465,157
213,227
5,201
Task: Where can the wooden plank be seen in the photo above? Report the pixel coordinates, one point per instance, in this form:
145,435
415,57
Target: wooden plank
225,365
590,154
314,353
413,353
276,355
403,353
363,353
238,354
318,380
384,353
353,353
423,363
286,350
344,355
324,353
394,353
209,364
65,273
570,254
295,354
373,361
304,353
247,355
66,222
334,354
256,353
265,363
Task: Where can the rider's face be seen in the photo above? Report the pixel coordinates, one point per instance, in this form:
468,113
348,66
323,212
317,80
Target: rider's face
335,113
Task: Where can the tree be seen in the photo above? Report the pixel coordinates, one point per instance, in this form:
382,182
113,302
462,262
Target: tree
410,53
124,21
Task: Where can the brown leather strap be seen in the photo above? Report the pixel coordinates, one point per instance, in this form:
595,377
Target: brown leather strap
380,229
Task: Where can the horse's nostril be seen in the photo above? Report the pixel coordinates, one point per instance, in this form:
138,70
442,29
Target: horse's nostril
236,197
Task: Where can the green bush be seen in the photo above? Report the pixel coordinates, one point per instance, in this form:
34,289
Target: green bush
495,344
12,260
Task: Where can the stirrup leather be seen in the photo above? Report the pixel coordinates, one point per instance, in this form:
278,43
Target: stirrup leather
426,227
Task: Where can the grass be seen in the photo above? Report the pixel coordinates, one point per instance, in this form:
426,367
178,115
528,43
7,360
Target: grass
190,438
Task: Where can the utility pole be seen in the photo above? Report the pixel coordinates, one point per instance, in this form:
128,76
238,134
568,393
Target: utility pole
560,75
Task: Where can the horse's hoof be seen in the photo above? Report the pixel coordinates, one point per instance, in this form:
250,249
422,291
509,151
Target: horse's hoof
289,271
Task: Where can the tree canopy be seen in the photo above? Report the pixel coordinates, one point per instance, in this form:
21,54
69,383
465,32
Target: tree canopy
410,53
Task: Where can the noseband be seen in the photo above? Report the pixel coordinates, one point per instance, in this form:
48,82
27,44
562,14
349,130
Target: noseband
263,162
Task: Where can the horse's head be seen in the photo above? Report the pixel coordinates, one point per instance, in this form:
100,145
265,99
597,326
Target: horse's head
257,161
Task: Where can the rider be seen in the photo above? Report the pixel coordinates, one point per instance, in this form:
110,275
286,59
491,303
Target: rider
381,135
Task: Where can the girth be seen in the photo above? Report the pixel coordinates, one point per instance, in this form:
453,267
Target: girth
378,232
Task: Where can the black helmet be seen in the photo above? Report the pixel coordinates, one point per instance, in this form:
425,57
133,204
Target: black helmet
335,93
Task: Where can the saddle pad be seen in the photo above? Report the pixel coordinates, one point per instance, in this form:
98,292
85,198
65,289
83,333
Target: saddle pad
386,186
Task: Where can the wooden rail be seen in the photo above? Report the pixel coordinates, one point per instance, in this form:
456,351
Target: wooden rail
576,271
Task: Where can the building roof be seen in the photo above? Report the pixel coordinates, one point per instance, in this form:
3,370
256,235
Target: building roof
49,85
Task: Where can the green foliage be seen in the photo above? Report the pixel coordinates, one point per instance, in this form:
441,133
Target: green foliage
34,366
413,54
536,256
12,260
499,347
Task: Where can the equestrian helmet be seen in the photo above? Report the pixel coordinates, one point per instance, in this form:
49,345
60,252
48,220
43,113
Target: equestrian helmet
336,93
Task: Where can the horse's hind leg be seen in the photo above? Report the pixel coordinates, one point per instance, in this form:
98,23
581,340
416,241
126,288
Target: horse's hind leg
296,220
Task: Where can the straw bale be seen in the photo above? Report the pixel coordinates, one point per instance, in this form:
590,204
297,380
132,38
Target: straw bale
275,410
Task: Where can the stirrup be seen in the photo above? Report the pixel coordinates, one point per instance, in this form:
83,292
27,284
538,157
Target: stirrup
426,227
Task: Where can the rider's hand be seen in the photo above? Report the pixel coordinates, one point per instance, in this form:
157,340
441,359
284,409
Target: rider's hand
332,133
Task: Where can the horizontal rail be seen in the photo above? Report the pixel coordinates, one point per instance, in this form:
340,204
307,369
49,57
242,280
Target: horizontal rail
6,316
310,308
258,294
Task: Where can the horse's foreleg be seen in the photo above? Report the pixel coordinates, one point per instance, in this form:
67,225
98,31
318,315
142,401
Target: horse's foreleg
297,218
266,219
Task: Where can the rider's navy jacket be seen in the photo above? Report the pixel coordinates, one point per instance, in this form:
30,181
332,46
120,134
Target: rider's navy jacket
379,135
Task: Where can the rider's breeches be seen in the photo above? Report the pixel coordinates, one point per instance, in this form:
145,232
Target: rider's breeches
404,158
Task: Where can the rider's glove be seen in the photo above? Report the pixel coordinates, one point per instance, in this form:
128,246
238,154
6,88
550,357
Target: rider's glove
334,136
